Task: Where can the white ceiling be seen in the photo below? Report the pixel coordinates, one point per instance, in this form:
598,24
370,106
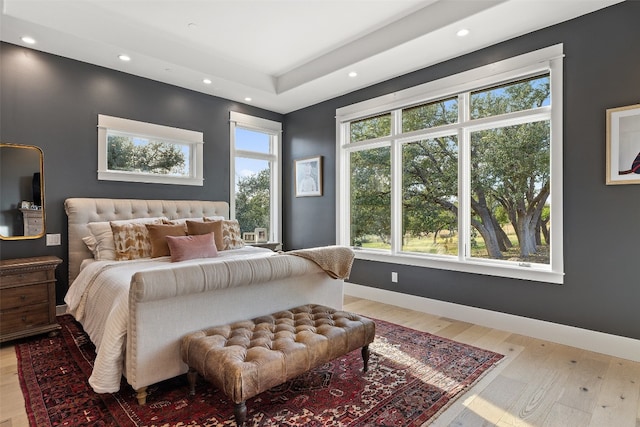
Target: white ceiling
283,54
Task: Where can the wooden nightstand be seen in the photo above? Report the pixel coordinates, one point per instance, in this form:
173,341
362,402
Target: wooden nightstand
28,297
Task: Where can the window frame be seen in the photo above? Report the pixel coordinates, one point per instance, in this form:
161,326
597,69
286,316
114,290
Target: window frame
547,60
192,139
274,130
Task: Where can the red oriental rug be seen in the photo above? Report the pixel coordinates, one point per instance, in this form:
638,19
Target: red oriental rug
412,376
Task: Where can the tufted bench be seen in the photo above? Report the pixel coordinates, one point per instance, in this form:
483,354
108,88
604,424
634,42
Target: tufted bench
243,359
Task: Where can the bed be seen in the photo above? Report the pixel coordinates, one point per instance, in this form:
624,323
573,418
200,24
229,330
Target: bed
137,311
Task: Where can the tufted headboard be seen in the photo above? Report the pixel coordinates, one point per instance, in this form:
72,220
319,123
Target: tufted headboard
82,211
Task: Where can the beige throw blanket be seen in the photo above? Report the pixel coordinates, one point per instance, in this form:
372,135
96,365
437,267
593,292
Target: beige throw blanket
336,261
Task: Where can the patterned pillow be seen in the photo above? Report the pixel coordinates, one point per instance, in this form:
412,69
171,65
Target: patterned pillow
158,237
231,236
131,241
102,245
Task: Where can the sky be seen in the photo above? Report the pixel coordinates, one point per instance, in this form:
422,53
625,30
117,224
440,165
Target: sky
251,141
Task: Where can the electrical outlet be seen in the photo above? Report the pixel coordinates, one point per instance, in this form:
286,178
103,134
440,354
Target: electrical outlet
53,239
394,277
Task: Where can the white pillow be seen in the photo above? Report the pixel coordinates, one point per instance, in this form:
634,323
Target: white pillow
101,242
214,218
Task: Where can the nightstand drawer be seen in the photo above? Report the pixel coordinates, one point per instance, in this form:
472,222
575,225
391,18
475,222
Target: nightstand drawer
23,296
35,220
20,319
24,278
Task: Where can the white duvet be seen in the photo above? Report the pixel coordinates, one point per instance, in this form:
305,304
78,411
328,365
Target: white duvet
99,300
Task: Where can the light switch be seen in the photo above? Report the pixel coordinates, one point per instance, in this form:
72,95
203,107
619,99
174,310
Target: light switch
53,239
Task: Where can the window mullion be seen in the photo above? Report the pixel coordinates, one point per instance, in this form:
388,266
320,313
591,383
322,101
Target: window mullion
464,178
256,155
232,170
396,183
511,119
275,185
343,185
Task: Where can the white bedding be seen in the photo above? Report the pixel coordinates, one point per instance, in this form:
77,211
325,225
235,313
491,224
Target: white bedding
99,300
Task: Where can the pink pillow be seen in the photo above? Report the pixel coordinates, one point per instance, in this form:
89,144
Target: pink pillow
183,248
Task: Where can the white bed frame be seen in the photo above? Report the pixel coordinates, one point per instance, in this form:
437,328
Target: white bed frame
160,315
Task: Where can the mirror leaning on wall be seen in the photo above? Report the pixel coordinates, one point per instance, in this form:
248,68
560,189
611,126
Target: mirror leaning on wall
22,214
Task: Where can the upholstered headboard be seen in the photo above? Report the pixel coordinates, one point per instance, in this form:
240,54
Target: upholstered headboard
82,211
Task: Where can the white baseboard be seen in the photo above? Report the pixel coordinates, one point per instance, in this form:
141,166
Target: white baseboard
613,345
61,309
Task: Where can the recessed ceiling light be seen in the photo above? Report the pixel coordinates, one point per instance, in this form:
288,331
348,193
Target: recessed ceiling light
124,58
28,40
353,74
248,99
206,81
462,32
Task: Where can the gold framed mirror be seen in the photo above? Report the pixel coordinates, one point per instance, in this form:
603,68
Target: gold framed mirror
22,192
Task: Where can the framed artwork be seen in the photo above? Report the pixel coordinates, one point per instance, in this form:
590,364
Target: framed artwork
249,237
261,235
308,176
623,145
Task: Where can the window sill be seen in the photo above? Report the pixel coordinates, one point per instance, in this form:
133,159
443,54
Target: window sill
533,273
148,178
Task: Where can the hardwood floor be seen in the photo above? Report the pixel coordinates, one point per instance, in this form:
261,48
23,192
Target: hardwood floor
539,383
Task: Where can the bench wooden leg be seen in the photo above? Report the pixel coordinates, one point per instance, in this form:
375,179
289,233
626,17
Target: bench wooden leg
192,376
141,395
365,357
240,412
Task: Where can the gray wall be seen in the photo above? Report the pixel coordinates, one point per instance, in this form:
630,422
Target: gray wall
601,223
54,102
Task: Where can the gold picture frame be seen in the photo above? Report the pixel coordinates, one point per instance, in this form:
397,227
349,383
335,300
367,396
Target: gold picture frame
623,145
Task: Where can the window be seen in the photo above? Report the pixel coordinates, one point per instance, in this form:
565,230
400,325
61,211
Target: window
463,173
134,151
255,174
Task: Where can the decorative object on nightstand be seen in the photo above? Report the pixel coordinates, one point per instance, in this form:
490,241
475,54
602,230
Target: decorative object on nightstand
28,297
261,235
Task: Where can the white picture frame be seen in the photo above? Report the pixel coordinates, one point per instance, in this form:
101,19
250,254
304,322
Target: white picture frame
261,235
623,145
308,176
